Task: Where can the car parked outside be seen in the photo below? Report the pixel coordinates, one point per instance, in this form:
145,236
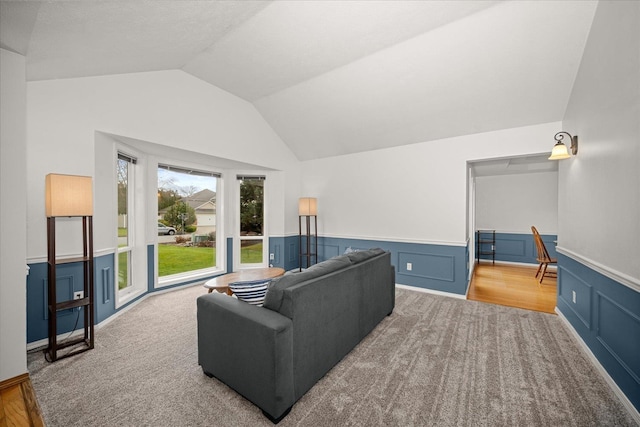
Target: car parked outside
164,229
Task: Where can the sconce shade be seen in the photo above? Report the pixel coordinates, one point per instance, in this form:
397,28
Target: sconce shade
68,195
559,152
307,206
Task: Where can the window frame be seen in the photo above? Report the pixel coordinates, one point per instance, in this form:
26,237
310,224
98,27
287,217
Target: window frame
237,244
220,260
136,271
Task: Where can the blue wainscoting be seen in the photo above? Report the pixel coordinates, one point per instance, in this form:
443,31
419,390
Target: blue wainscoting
105,298
69,279
285,252
439,267
606,315
519,247
37,297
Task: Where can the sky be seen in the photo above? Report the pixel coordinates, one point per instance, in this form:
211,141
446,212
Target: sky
177,180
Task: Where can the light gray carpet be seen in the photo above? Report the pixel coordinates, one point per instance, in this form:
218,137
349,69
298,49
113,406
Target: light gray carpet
436,361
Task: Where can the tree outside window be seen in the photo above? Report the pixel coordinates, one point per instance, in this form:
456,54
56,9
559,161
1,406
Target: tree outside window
251,207
180,215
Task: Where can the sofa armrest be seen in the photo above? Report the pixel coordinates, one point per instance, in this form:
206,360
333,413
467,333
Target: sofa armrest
249,348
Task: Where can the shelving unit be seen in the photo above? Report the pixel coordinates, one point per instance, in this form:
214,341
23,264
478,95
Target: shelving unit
486,244
54,307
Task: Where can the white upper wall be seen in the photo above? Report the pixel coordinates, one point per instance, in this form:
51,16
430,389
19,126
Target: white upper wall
599,189
169,108
513,203
13,225
413,193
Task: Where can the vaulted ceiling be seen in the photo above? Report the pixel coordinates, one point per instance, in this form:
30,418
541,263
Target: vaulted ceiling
330,77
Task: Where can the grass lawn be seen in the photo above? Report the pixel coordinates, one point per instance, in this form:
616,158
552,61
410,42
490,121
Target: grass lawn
174,259
123,270
251,254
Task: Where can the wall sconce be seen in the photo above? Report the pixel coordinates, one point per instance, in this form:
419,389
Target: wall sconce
560,151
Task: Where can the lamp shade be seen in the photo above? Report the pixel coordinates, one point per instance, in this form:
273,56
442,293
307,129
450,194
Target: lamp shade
68,195
559,152
308,206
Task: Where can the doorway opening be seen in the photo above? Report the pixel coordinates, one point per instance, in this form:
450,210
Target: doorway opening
509,195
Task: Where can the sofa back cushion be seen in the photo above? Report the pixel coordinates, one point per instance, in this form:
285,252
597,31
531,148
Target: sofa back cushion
273,299
359,256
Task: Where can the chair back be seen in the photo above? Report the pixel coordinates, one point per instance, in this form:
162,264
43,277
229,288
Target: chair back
543,255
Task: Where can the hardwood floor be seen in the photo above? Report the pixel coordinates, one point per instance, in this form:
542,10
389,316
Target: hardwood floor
18,404
513,286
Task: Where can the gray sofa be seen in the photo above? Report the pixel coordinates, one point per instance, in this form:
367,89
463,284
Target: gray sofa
272,355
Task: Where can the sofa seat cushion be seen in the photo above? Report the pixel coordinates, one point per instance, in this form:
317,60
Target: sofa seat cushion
252,292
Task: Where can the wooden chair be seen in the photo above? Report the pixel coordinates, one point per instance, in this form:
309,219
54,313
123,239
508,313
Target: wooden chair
543,257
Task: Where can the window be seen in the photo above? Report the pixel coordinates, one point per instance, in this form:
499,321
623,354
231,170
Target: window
125,177
252,247
187,221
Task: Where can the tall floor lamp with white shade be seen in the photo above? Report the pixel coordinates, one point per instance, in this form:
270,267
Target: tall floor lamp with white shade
69,196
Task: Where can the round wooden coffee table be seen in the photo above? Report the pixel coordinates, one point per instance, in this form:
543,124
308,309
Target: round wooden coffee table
221,283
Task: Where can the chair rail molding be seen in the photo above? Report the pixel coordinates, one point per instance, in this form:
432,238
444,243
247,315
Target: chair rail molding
462,243
612,274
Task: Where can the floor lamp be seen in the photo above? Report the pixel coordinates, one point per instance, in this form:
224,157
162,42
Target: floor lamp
69,196
308,208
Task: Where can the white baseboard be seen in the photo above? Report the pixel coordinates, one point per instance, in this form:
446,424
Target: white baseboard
623,398
431,291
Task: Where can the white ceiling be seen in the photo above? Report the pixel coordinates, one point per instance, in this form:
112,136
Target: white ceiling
330,77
